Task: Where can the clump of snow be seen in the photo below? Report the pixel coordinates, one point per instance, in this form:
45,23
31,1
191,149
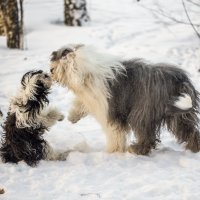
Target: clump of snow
127,29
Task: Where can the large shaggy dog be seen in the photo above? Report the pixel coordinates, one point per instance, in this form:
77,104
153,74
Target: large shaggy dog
27,120
129,95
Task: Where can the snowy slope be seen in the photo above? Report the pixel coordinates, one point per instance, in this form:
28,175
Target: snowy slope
125,28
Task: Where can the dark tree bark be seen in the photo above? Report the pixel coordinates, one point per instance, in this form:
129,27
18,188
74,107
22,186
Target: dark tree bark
21,23
12,23
75,12
2,25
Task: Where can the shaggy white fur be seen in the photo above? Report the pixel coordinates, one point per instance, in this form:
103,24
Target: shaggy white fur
123,95
86,71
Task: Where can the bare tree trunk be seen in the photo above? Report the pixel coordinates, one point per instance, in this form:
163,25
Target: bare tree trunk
11,20
2,25
21,24
75,12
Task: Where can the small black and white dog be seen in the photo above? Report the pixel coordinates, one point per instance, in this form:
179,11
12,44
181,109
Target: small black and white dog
125,95
27,120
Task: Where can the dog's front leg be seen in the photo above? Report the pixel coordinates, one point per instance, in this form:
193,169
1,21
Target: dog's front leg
116,138
77,112
50,116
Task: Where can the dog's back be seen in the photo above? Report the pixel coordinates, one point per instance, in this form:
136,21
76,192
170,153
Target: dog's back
154,88
147,96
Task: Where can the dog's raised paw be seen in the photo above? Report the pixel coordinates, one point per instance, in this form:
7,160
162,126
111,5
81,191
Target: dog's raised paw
63,156
61,118
2,191
73,119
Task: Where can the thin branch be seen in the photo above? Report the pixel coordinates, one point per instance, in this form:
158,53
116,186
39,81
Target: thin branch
162,13
188,17
196,4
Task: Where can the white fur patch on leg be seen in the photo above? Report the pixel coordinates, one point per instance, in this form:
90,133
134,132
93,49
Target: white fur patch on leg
184,102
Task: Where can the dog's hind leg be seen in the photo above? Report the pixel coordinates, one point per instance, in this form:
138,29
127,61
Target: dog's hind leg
146,141
8,154
185,129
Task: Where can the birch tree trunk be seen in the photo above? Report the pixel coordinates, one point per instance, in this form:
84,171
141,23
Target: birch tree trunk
12,24
2,25
75,12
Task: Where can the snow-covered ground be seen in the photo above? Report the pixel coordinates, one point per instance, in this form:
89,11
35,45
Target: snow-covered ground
127,28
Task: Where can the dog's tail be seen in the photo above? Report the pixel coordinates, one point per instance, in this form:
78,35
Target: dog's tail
187,101
184,120
180,104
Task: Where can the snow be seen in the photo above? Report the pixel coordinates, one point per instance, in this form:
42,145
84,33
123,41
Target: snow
128,29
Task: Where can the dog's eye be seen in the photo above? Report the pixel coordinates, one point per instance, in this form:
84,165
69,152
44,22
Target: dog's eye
39,83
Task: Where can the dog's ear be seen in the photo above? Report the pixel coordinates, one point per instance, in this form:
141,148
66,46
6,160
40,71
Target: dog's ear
53,56
23,80
28,75
78,46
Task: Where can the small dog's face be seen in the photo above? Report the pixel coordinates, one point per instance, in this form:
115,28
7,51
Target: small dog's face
36,79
